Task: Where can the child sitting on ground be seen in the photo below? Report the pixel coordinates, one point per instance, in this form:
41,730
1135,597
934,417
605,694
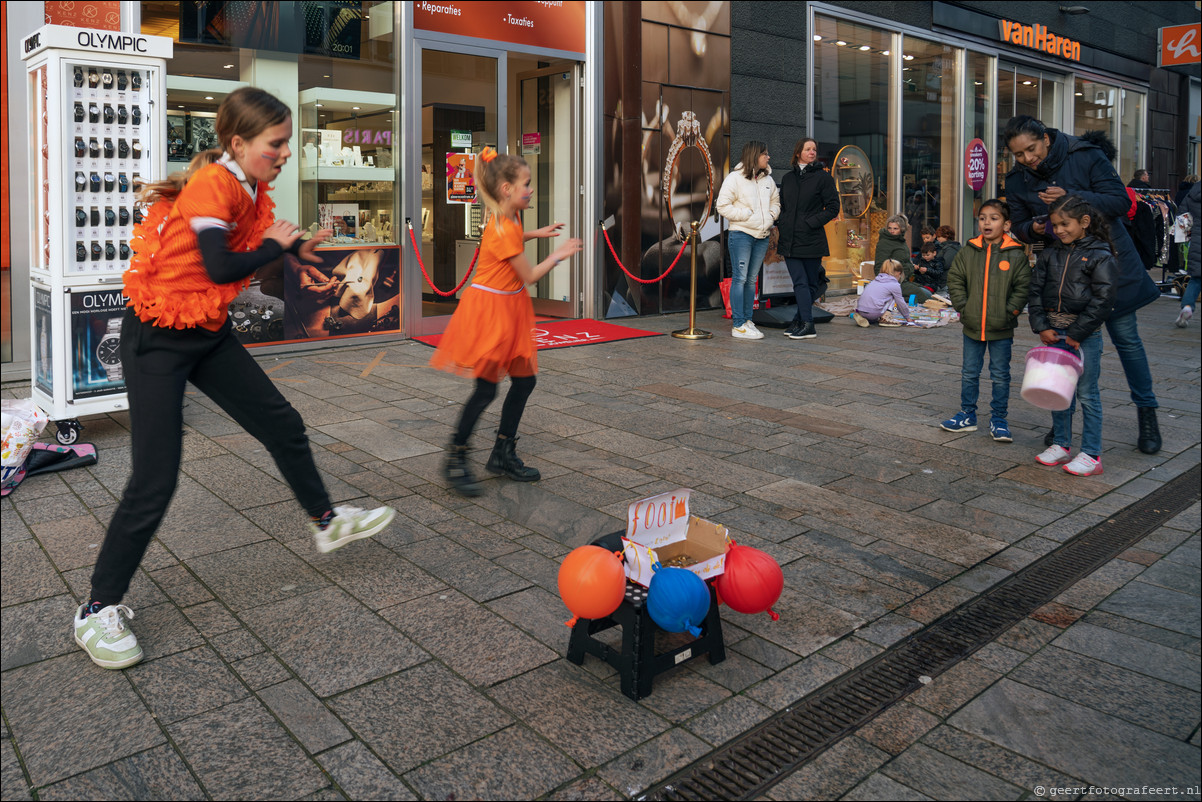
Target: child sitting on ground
930,271
882,300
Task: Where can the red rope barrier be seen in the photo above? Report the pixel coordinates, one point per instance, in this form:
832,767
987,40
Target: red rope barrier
417,252
633,277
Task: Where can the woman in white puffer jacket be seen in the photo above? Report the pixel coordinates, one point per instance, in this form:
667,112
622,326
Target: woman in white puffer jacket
750,201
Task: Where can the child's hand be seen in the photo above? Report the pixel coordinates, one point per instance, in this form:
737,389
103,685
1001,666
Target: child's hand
547,231
1074,343
283,232
568,249
1049,337
307,247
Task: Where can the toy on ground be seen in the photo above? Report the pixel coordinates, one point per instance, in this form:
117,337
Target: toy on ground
592,582
752,581
677,600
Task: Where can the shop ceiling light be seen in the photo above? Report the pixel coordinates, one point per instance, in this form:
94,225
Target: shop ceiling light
865,47
817,38
229,66
208,97
841,43
884,52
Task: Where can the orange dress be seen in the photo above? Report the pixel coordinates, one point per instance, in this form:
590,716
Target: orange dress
491,334
166,283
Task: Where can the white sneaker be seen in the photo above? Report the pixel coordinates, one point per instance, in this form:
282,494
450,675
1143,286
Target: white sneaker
350,524
745,333
1053,455
106,638
1183,318
752,327
1084,465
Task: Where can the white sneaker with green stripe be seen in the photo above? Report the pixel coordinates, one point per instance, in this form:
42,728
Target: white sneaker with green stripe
350,524
106,637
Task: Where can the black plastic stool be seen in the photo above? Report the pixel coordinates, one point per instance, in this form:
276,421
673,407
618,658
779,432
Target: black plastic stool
637,662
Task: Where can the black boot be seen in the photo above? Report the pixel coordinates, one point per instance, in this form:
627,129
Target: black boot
1149,430
504,460
458,474
792,328
806,332
1048,438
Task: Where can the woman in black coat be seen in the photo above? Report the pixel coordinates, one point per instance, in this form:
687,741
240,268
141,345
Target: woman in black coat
1051,164
808,201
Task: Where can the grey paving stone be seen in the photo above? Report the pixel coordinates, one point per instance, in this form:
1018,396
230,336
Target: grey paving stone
35,508
331,641
538,613
260,670
372,573
241,746
1142,700
36,631
58,728
1028,636
1129,626
1092,589
980,578
163,630
787,686
470,639
361,775
309,721
888,629
680,694
417,715
155,774
257,574
735,673
851,651
589,788
381,442
832,773
71,542
180,585
1016,717
848,591
878,786
1120,649
592,723
995,760
16,787
1187,553
727,719
12,528
895,729
805,625
997,657
27,573
1182,578
486,769
951,689
232,480
237,645
211,618
463,569
943,777
181,685
652,761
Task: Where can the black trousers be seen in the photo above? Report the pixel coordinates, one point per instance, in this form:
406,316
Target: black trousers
520,388
808,284
157,364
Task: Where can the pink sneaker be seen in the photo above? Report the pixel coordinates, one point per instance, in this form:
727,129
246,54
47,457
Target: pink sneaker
1084,465
1053,455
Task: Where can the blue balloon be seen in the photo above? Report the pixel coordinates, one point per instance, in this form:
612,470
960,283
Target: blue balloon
677,600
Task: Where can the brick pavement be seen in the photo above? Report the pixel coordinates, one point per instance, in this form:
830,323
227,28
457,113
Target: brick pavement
429,663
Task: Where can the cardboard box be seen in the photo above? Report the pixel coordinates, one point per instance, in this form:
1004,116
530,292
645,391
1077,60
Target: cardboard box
660,529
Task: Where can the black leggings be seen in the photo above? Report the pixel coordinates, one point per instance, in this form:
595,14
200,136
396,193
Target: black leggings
157,363
511,412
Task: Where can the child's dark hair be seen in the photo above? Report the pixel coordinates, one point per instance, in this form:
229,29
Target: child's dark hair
497,169
929,247
1076,208
994,203
927,231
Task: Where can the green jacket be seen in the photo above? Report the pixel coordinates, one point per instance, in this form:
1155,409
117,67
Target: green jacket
892,246
988,286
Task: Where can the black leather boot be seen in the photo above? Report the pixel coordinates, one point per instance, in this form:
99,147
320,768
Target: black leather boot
504,460
792,328
458,474
1149,431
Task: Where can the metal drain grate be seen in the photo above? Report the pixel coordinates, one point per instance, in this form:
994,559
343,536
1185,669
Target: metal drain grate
749,765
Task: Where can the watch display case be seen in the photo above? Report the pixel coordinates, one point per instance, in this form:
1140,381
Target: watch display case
96,129
347,174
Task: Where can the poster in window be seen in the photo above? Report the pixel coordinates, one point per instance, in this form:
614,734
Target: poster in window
96,343
461,178
351,291
43,356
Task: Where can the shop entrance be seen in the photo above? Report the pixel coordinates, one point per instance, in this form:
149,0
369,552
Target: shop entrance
471,97
1025,90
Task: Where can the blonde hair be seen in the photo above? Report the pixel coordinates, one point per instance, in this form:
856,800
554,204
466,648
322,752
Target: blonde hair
892,267
501,169
172,185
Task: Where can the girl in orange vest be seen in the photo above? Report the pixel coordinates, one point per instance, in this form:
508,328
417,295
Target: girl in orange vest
491,333
209,229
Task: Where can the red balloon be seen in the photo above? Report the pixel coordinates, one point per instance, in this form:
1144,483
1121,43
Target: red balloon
592,582
752,581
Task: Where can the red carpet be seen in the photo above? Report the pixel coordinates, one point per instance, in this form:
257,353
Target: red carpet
566,333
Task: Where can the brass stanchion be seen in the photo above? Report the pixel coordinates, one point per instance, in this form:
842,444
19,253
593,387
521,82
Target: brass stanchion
692,332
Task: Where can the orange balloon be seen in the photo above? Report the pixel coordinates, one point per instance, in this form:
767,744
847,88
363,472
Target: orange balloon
592,582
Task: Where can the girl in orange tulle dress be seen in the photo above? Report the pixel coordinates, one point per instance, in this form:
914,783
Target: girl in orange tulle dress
491,333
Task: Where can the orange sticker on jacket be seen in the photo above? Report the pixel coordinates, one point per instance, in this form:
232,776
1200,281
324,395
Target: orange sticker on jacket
1003,265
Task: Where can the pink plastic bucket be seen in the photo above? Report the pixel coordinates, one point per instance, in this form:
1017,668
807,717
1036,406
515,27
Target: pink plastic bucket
1051,377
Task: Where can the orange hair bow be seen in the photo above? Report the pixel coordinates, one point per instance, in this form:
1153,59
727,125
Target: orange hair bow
488,154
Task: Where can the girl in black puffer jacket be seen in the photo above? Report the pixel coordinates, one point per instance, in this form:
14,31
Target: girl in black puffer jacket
1072,294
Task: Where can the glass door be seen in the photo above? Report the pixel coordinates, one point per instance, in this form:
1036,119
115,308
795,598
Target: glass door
1023,90
548,139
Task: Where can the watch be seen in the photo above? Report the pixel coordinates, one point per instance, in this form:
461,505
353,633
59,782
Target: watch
106,79
95,216
122,183
137,215
123,216
80,114
93,77
94,181
81,148
110,217
137,115
109,115
81,181
81,252
93,113
108,350
94,148
81,217
110,251
122,115
108,182
108,150
688,135
122,148
122,81
136,149
135,80
78,79
97,251
124,250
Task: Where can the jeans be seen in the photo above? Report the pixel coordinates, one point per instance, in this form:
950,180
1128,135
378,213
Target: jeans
746,259
807,278
1124,334
1190,296
999,372
1090,398
158,363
